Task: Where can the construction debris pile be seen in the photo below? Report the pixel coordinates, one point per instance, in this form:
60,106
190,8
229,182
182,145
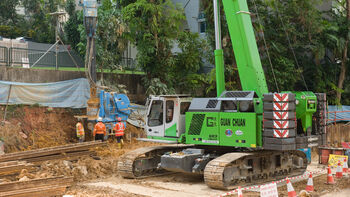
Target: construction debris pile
31,172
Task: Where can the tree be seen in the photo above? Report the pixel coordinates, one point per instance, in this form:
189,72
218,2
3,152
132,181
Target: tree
344,58
170,56
111,42
190,59
40,25
153,28
8,14
72,34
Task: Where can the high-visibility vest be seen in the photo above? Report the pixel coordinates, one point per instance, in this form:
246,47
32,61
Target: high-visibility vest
80,129
119,129
100,128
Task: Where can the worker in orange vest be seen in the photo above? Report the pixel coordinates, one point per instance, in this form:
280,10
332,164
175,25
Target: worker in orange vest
119,129
80,131
99,130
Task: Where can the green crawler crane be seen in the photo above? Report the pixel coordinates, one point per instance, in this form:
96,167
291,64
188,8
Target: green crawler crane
239,137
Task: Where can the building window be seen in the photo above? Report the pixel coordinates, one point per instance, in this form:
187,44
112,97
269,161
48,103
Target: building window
202,23
202,27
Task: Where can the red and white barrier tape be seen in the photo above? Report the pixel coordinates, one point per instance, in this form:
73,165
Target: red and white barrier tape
279,181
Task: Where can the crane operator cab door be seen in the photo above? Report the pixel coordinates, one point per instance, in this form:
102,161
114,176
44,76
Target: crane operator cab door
162,117
155,117
171,117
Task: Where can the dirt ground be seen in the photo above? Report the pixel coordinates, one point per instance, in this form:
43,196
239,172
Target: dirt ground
31,127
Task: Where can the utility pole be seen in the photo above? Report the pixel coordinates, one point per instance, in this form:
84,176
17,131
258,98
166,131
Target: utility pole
58,15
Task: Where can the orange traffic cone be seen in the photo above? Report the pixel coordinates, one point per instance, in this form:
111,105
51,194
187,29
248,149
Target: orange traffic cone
330,179
310,184
290,189
345,167
240,192
339,172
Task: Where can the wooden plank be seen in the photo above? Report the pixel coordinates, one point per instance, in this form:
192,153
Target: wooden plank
20,185
10,163
59,156
50,151
96,143
36,192
15,169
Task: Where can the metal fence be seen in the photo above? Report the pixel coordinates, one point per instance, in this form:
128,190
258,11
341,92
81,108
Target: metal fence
3,56
23,57
27,57
129,64
338,116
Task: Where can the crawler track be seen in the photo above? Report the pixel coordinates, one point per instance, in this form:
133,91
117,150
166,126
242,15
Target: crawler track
225,171
143,162
229,170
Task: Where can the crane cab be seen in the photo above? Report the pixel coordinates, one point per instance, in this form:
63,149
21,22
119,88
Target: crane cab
165,120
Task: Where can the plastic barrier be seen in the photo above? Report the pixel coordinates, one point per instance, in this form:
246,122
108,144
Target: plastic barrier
280,181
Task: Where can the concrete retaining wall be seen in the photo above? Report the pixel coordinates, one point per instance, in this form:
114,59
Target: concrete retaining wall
133,82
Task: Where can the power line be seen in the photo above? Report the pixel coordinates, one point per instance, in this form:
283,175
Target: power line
267,49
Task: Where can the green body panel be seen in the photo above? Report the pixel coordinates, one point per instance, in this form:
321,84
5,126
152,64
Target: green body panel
219,66
244,45
306,106
223,129
209,129
238,129
171,131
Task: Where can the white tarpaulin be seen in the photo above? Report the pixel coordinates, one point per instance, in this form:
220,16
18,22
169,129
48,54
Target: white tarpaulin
70,94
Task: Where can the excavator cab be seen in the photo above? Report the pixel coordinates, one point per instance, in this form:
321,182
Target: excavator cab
165,118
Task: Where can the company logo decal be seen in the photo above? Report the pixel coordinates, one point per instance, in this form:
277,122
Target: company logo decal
228,132
239,132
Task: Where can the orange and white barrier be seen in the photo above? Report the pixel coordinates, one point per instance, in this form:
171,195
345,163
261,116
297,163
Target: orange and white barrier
310,184
275,182
330,179
290,189
345,167
339,172
240,194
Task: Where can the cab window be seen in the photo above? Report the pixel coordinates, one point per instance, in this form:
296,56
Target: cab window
169,111
155,117
184,107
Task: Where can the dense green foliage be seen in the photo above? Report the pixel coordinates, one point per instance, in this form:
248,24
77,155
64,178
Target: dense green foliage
72,34
155,27
36,23
317,38
172,57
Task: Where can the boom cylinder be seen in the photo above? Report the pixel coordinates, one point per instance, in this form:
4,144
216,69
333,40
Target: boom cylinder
219,54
